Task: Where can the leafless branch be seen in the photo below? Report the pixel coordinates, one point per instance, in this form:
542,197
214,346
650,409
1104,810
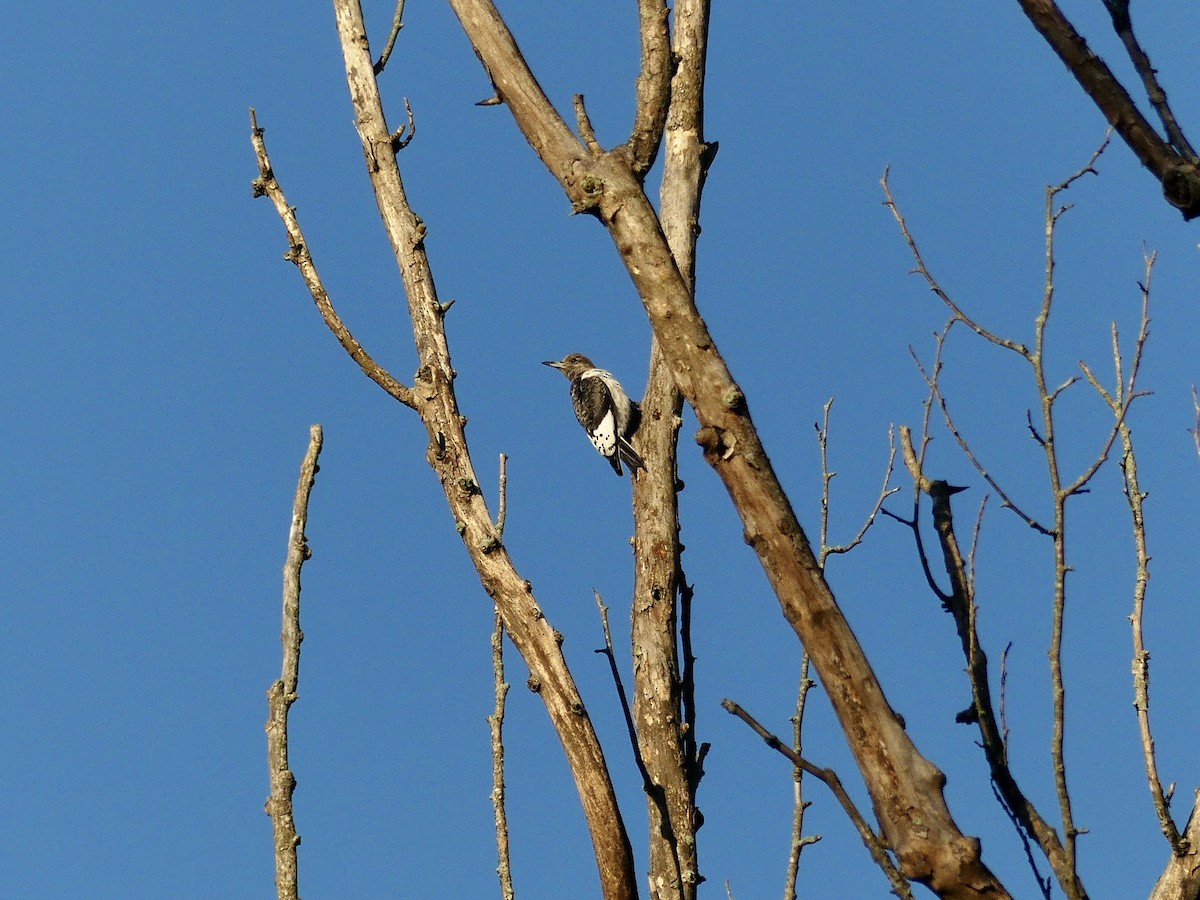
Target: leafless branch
922,270
1196,419
267,185
874,843
975,534
653,84
1123,26
502,503
1175,167
433,397
828,475
397,25
960,603
1004,700
936,395
899,778
1118,401
404,135
496,726
283,693
584,123
799,839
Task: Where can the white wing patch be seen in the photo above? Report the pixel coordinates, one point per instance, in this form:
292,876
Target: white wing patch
604,435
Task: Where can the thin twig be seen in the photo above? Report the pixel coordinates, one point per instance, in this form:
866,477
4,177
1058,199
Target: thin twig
397,25
922,270
283,693
1004,700
502,506
799,839
607,650
975,534
827,476
1119,401
586,131
1044,884
404,135
936,395
496,725
874,843
1196,418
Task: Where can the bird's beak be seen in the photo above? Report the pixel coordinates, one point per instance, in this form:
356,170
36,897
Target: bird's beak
553,365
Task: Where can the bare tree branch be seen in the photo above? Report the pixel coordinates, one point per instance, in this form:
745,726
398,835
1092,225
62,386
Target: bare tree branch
876,846
283,692
959,599
653,84
1179,174
799,839
922,270
935,392
905,786
397,25
827,476
664,684
434,399
502,503
496,727
960,603
1119,401
267,185
1123,26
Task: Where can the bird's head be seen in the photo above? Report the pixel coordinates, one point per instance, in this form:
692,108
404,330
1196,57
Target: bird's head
571,365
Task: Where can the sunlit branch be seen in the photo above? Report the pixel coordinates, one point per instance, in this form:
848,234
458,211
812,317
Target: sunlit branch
653,84
283,693
267,185
496,726
397,25
799,839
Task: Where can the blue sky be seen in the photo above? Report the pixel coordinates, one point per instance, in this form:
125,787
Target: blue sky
162,364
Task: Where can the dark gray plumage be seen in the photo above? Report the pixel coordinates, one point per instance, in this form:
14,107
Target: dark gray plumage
604,410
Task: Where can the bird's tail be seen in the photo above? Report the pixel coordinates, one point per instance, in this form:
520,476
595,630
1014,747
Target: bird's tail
628,455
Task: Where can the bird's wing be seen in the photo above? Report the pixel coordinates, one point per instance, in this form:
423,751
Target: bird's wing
604,435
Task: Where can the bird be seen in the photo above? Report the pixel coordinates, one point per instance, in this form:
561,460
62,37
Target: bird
604,410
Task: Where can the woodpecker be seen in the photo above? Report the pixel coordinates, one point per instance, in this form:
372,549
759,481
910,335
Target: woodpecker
604,410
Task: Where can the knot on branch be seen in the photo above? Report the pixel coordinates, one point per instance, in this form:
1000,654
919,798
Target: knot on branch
586,196
733,399
715,442
295,253
1181,188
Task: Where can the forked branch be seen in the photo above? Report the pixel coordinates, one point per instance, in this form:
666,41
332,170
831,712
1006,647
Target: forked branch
433,397
905,787
875,844
1171,160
